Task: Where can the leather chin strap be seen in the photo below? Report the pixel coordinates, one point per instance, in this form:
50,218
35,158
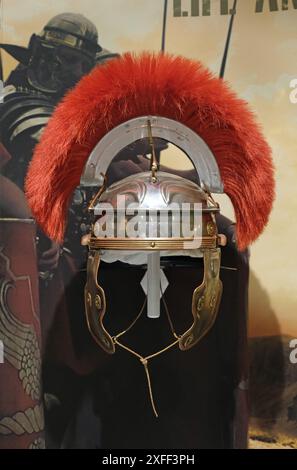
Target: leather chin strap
205,305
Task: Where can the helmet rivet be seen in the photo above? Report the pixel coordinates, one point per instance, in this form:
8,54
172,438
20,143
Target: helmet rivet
188,341
153,244
200,304
210,228
212,301
89,299
98,302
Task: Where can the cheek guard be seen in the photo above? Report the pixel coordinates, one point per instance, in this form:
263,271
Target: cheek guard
205,303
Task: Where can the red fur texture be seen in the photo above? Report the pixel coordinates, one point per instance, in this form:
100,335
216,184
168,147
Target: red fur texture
162,85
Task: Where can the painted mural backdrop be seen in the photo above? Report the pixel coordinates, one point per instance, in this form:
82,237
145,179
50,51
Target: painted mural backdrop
262,68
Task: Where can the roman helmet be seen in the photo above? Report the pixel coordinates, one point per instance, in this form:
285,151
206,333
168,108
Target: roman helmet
142,98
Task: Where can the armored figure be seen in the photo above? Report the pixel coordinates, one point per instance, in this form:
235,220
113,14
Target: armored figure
54,61
58,57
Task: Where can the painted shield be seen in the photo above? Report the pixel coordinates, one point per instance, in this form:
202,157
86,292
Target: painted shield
21,413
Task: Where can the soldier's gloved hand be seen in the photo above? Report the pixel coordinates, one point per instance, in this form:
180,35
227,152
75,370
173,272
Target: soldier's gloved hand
122,168
49,259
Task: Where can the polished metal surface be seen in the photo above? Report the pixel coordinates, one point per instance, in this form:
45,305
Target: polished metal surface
168,189
171,131
162,204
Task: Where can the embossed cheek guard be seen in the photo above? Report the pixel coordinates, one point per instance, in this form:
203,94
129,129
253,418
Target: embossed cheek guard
205,303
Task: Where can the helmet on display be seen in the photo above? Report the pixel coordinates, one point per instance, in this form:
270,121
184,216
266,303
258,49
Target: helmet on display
144,98
153,213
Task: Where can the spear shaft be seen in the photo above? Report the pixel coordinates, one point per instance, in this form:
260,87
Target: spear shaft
225,56
164,25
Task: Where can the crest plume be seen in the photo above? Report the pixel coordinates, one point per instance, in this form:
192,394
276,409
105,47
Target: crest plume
161,85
